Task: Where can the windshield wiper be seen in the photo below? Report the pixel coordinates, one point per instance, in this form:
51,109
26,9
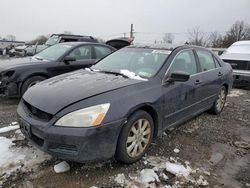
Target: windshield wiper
113,72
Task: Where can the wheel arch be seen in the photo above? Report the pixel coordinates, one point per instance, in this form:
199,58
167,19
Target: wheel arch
226,86
30,76
151,111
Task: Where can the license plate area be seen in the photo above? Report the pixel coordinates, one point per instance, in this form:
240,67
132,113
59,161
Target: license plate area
25,127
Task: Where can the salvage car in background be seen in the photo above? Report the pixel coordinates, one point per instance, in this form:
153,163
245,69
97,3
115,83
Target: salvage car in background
119,105
238,56
30,50
17,75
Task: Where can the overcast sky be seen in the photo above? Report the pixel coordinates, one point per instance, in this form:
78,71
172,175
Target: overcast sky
27,19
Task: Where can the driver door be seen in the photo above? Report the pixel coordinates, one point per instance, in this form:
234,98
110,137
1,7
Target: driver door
180,98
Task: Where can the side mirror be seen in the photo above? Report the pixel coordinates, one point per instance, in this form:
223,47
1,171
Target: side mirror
178,77
68,59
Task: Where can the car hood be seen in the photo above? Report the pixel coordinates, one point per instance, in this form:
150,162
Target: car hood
54,94
16,62
235,56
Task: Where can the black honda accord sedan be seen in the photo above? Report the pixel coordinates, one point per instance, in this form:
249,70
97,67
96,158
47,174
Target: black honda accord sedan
116,108
17,75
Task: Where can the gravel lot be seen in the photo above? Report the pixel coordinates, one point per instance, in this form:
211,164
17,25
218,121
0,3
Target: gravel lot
216,148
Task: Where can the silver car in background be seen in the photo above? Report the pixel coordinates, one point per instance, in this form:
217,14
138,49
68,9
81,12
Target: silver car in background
238,56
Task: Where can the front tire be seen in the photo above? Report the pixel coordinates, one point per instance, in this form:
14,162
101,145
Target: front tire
31,82
220,101
135,137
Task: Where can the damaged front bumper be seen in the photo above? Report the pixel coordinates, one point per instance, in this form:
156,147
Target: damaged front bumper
74,144
8,89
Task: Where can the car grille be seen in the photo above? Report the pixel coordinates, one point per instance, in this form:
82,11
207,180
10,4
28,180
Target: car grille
39,114
239,65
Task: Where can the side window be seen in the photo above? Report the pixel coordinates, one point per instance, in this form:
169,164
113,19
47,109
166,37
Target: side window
101,51
185,62
81,53
206,60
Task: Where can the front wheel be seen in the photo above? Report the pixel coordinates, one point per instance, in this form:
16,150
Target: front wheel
220,101
135,137
31,82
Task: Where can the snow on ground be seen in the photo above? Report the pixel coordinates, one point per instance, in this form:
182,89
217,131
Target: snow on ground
62,167
178,169
165,172
9,128
235,93
16,156
176,150
149,175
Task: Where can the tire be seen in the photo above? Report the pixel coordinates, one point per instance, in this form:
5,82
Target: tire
30,82
219,102
130,151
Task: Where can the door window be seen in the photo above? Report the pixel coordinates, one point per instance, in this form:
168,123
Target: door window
184,62
101,51
81,53
206,60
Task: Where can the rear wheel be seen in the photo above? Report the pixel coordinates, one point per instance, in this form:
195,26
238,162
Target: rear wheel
135,137
220,101
31,82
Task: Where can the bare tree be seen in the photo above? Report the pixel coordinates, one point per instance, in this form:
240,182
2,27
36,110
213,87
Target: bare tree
239,31
168,38
11,37
196,37
215,40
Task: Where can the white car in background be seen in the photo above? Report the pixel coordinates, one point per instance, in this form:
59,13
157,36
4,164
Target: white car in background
238,56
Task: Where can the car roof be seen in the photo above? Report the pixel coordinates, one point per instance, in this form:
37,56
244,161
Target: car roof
165,46
73,44
243,42
71,35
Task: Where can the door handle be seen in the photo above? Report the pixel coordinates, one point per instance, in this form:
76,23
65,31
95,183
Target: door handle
197,82
220,74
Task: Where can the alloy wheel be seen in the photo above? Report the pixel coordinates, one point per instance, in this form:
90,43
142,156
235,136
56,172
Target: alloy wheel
221,100
138,138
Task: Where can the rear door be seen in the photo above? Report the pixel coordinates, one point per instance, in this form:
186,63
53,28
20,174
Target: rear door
212,74
182,98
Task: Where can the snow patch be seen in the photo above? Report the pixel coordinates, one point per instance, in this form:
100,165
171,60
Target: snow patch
121,179
132,75
9,128
148,176
235,93
178,169
14,157
176,150
62,167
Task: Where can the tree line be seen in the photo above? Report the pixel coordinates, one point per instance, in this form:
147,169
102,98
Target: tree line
238,31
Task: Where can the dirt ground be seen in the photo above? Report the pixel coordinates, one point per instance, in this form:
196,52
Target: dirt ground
216,145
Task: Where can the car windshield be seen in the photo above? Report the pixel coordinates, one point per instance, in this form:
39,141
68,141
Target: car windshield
52,40
244,49
53,53
142,62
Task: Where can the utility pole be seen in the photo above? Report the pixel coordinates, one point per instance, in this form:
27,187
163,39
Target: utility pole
132,31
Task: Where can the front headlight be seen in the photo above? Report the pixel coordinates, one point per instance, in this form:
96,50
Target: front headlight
87,117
